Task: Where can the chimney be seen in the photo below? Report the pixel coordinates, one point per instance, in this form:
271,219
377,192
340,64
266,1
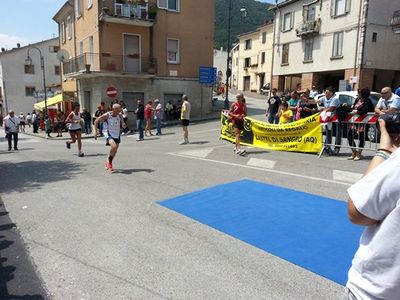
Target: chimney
18,45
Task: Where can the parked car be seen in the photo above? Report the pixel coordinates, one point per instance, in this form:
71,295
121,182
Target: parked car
265,89
349,98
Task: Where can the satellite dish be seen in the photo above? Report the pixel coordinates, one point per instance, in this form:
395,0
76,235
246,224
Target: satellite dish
62,55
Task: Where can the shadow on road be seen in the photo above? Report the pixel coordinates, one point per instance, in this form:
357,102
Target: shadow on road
31,175
18,279
131,171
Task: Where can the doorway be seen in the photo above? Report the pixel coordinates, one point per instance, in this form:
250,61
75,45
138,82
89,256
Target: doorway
246,83
131,53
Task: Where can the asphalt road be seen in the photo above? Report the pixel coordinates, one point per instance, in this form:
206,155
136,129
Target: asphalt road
89,234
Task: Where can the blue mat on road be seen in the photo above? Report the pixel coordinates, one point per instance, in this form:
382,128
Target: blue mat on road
307,230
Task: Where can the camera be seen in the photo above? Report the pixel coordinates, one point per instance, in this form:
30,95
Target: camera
392,122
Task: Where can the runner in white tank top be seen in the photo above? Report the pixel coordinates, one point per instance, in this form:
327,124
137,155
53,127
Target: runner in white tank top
75,128
112,131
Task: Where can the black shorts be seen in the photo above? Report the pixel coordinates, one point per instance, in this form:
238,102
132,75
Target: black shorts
22,123
109,138
185,122
239,125
75,130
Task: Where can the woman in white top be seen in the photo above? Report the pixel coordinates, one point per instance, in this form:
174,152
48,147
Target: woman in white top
74,124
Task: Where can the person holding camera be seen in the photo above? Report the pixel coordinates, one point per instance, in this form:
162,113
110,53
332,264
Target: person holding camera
11,129
374,202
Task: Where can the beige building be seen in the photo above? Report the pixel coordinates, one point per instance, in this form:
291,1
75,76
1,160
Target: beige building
323,43
252,59
144,49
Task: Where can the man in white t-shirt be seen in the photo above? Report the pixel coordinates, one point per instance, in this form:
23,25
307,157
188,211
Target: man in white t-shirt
375,203
388,103
158,115
11,129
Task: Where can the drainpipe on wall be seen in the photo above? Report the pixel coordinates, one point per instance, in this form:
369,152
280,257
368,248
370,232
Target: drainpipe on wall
276,27
361,35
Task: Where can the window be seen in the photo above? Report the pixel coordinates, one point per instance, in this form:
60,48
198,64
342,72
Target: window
81,47
62,32
247,44
173,51
287,21
78,8
285,54
337,44
56,70
374,37
340,7
263,58
236,61
91,50
69,27
89,3
168,4
264,37
308,49
30,91
309,13
29,69
247,62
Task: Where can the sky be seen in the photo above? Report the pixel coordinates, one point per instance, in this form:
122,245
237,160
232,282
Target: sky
30,21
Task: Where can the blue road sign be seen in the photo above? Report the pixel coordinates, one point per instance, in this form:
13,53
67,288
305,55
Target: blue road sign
207,75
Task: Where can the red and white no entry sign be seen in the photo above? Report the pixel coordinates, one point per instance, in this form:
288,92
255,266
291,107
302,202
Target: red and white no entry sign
111,92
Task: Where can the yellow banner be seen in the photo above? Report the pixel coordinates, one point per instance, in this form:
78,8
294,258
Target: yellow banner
304,135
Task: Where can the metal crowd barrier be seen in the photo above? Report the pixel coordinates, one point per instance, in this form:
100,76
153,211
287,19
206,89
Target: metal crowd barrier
353,128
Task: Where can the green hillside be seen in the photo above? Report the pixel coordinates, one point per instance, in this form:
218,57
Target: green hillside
257,14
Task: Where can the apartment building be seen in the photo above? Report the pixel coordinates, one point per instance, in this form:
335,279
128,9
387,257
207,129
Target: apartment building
328,42
252,59
21,83
144,49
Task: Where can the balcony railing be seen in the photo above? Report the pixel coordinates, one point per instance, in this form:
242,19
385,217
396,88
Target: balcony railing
108,63
308,28
128,10
395,22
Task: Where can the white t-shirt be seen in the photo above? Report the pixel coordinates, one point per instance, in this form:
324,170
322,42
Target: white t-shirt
11,123
375,270
112,127
185,114
393,101
158,114
125,113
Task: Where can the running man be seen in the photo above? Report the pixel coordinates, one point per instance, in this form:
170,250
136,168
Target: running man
237,113
74,124
112,123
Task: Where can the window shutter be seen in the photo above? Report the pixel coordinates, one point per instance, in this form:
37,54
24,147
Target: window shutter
282,16
333,7
348,5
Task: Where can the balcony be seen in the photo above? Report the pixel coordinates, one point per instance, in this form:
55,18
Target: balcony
98,64
308,28
395,22
137,12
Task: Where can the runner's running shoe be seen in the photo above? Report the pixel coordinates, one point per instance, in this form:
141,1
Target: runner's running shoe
109,166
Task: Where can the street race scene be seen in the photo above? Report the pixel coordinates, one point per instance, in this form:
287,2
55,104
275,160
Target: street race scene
213,149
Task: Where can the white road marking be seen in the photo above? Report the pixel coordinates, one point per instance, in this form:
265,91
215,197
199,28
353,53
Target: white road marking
198,152
346,176
261,169
261,163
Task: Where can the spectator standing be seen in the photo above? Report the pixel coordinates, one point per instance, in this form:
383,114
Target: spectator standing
397,91
331,103
361,106
11,129
178,110
29,119
58,123
22,119
388,103
274,103
148,111
374,203
313,92
294,100
99,112
169,110
185,118
158,115
48,126
125,117
35,121
87,121
140,119
285,114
